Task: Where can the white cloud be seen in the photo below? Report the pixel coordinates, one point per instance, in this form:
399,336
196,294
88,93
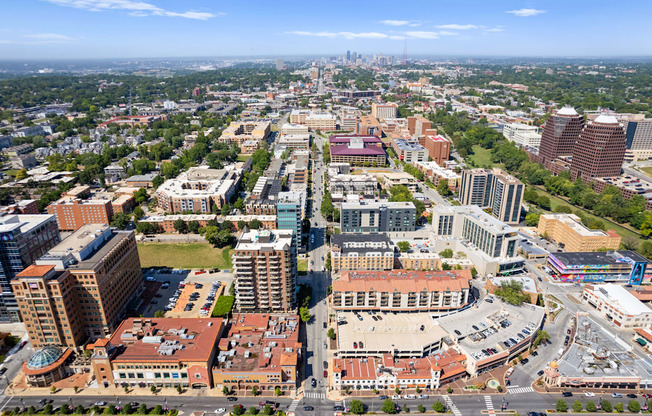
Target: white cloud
459,27
50,37
525,12
495,29
422,35
447,33
138,8
398,37
395,22
346,35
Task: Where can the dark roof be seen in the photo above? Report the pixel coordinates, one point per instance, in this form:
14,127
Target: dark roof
377,241
598,257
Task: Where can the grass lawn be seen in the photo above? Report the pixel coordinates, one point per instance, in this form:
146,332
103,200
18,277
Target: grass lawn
184,256
223,305
648,171
243,158
302,265
619,229
482,157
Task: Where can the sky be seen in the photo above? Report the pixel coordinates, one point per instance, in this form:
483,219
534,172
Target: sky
79,29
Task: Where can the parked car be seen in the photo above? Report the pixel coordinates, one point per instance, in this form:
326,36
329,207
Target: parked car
308,408
338,408
589,394
540,373
232,399
313,383
616,395
567,394
325,373
100,403
383,397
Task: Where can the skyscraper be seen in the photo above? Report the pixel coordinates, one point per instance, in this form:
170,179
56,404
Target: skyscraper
493,189
265,269
600,149
560,134
23,239
348,56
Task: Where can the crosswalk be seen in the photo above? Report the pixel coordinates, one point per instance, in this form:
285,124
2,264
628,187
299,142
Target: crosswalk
489,404
314,395
450,405
519,390
294,405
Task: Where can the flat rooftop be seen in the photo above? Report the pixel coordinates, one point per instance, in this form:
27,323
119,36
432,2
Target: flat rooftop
598,257
625,301
400,332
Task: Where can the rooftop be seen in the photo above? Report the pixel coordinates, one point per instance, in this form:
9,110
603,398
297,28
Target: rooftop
362,243
278,240
377,205
166,339
575,223
403,281
598,257
26,223
409,146
619,297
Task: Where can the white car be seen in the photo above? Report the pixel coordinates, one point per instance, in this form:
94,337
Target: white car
589,394
220,410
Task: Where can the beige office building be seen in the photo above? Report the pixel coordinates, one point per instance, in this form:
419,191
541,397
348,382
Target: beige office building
568,231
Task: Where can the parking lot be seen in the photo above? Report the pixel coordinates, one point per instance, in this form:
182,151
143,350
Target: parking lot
177,288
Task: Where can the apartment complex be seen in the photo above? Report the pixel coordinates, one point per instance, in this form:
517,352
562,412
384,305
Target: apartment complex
362,252
197,190
368,125
321,121
495,189
471,223
289,211
417,125
435,173
409,152
81,288
23,239
599,150
357,150
568,231
265,269
240,132
438,148
299,116
353,184
161,352
618,305
390,179
402,290
374,217
559,135
639,139
72,214
261,351
522,134
384,110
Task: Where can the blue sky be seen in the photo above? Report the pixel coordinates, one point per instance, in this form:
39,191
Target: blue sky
166,28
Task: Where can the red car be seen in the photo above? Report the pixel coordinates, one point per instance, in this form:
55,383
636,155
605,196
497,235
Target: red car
22,344
325,374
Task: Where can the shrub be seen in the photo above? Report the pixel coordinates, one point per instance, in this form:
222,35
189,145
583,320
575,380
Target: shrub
438,407
562,406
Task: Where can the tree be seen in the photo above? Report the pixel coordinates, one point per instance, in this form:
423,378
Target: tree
138,213
111,410
193,226
443,188
179,389
181,226
446,253
532,219
512,292
267,410
127,409
157,410
49,409
397,390
356,407
388,407
591,407
634,406
153,389
278,391
226,390
120,220
577,406
126,388
65,409
255,224
449,390
140,196
606,406
304,314
331,333
562,406
255,391
80,410
237,410
142,409
158,314
474,272
76,389
438,407
619,407
253,410
421,409
403,246
227,226
21,174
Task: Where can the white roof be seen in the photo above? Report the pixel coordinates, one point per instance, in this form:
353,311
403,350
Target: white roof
567,111
606,119
627,303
